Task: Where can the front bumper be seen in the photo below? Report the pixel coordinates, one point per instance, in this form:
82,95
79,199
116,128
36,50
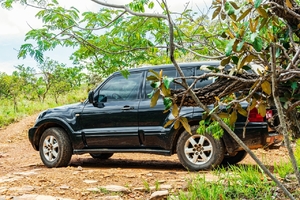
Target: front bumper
31,134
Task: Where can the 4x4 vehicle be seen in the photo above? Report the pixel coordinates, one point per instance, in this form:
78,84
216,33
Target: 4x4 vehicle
117,118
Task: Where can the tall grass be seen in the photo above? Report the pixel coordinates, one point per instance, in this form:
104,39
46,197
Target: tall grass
285,168
27,107
234,182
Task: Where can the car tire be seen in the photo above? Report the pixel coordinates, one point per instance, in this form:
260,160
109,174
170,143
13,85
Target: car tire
102,156
55,148
199,152
238,157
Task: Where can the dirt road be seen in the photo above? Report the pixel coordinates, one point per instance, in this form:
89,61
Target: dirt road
137,176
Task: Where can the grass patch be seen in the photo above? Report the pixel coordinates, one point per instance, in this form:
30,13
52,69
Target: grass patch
27,107
285,168
235,182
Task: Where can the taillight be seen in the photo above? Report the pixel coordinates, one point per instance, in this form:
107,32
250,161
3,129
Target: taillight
254,116
269,114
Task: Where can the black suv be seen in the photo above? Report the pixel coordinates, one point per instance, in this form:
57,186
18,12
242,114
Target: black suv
117,118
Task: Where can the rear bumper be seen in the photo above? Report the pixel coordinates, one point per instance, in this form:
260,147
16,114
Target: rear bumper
254,135
274,141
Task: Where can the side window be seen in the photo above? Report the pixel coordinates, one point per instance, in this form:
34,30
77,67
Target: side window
119,88
203,82
168,73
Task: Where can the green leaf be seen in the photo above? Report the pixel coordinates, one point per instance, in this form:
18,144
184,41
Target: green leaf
246,67
168,103
258,44
155,84
38,56
150,95
228,49
294,86
167,82
257,3
253,36
235,60
151,5
229,8
240,46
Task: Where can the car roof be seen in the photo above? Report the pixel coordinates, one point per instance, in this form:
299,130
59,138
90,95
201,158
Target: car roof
183,65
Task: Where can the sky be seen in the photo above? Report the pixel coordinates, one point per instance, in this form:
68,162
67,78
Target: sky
15,23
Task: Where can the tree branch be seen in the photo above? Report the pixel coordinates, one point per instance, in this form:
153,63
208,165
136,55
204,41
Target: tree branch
129,10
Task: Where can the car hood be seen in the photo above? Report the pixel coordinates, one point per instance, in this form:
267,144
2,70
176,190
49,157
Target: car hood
66,111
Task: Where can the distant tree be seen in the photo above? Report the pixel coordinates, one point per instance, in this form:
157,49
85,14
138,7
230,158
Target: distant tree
10,87
28,80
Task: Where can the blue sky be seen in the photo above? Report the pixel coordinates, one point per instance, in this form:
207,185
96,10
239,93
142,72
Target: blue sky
15,23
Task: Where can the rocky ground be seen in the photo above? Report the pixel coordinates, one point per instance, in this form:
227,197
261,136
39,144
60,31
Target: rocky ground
123,176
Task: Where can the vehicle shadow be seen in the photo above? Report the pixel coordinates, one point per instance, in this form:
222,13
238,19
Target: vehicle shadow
127,163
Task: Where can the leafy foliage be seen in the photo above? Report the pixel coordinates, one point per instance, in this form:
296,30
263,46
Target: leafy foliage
213,127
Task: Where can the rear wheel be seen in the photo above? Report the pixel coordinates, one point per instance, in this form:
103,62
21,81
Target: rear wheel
55,148
197,152
102,156
238,157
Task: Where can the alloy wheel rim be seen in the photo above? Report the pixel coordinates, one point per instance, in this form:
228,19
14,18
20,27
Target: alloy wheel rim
50,148
198,149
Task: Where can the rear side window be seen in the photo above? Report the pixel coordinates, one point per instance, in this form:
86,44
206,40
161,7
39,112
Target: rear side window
119,88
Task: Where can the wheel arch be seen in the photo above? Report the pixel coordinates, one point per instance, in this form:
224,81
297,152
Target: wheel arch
43,125
178,132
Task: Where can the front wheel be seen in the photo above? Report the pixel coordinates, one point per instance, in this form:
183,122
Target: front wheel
55,148
197,152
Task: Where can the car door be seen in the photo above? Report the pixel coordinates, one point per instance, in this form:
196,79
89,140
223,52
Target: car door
152,119
113,121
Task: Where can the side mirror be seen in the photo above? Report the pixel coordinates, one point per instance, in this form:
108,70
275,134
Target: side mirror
91,96
102,98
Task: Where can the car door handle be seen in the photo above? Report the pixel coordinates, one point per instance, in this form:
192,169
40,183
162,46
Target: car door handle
128,108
